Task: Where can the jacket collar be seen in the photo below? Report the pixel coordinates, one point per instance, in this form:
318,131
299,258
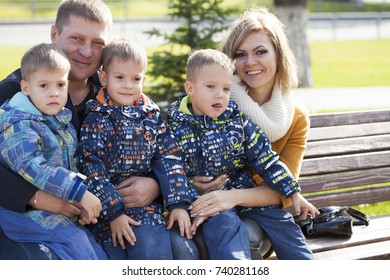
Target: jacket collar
180,111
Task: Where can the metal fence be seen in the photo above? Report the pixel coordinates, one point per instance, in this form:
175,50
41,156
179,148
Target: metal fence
374,25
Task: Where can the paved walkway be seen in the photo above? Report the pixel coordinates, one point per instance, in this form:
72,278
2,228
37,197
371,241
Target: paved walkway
344,99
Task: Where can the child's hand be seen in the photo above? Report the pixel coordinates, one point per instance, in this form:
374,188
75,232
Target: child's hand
302,207
84,219
120,228
92,206
196,223
183,220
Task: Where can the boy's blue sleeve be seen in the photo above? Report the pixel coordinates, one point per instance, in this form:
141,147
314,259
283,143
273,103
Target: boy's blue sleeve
265,161
168,166
22,153
93,152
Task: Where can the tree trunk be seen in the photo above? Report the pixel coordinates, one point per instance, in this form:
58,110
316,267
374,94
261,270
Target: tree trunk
293,14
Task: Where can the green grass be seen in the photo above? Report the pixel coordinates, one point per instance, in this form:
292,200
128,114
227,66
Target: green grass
10,59
137,8
375,209
20,9
350,63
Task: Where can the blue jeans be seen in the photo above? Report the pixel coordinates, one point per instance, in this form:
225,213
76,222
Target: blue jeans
13,250
183,248
153,243
285,235
226,236
223,236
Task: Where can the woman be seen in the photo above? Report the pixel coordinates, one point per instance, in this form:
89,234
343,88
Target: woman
266,75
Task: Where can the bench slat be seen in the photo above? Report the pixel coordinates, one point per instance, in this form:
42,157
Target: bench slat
345,162
368,242
341,180
348,131
344,118
350,198
365,251
348,146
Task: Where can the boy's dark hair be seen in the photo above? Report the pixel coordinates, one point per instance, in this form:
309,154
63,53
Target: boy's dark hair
124,49
43,56
203,57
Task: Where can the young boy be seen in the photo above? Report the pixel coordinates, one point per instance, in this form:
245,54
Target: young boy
38,142
216,139
123,135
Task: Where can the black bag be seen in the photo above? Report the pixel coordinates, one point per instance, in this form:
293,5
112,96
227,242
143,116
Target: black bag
333,220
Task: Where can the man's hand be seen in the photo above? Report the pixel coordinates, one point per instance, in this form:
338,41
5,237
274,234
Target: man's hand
205,184
138,191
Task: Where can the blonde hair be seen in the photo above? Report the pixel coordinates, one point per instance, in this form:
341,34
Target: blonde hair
90,10
124,49
201,58
260,19
44,56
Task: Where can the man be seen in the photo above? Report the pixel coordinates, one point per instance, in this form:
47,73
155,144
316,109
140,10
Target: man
81,31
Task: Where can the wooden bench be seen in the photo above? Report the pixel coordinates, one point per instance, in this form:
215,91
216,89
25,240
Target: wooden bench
347,163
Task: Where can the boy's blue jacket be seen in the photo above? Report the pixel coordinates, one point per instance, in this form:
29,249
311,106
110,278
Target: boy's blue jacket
41,149
225,145
118,142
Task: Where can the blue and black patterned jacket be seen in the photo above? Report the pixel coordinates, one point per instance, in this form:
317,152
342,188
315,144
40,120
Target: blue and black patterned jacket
122,141
226,145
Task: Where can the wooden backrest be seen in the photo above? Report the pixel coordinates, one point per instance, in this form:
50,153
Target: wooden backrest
347,161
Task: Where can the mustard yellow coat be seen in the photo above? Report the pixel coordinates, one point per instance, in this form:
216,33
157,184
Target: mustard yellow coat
292,145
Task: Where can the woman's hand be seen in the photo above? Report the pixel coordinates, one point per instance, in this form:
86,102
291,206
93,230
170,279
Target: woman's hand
212,203
204,184
302,207
138,191
48,202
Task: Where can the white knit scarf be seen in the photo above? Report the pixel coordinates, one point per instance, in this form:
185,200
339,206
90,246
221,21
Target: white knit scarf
274,117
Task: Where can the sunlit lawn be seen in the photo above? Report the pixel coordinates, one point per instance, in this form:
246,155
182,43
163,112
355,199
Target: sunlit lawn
351,63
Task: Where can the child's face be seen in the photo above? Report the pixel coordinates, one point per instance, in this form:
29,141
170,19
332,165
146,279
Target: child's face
47,89
210,90
123,80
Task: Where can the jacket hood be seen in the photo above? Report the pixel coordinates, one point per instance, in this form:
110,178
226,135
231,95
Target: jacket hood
180,111
103,104
20,108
